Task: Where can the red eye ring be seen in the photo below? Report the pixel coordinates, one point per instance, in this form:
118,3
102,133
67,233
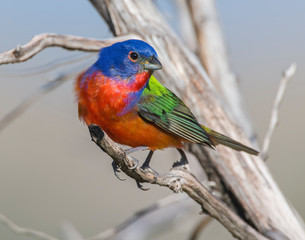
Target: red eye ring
133,56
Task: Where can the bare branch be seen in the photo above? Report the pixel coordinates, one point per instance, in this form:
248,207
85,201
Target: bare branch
246,177
69,232
287,76
26,232
200,226
187,30
36,96
212,52
162,203
44,40
178,181
48,67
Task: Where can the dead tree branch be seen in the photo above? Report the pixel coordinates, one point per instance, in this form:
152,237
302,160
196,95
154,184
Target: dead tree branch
287,76
44,40
25,232
212,52
160,204
177,181
201,225
36,96
247,177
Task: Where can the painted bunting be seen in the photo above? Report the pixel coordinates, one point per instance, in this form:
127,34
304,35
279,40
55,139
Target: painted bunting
120,94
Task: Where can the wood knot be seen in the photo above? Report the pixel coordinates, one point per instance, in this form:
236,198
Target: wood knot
17,51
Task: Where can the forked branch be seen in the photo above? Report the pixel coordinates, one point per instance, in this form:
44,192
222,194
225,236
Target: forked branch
178,181
44,40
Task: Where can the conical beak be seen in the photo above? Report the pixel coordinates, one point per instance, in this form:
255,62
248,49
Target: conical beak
153,64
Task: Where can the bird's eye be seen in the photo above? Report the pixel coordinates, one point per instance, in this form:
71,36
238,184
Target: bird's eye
133,56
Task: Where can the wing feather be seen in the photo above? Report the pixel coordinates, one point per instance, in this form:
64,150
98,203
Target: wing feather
162,107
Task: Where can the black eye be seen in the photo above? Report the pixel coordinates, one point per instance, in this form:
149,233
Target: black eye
133,56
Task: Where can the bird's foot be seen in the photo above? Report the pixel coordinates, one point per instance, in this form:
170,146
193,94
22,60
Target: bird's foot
140,186
183,164
136,149
145,166
116,170
147,170
136,163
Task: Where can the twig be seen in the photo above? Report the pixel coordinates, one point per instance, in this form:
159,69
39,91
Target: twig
29,101
69,232
287,76
178,181
200,226
187,31
48,67
26,232
44,40
165,202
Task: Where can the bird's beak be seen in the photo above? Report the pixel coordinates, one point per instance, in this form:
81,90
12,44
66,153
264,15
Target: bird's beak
153,64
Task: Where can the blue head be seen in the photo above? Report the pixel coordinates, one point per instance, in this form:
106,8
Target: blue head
125,59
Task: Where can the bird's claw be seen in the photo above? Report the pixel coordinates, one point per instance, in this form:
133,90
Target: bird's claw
136,163
116,171
152,171
181,166
140,186
146,168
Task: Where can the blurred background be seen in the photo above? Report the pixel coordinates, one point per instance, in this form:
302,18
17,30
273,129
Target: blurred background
51,172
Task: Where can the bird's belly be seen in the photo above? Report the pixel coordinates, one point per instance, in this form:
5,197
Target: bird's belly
131,130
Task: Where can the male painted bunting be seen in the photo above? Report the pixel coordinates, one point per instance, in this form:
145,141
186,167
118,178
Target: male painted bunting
120,94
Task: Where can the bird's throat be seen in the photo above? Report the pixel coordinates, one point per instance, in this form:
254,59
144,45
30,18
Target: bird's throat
141,80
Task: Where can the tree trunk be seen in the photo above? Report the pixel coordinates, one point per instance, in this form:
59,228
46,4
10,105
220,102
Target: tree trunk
246,176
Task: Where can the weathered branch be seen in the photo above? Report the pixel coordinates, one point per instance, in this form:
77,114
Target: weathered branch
138,216
287,76
200,226
44,40
176,180
212,52
247,177
25,232
30,100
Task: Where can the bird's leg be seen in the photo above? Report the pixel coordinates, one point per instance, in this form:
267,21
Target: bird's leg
136,149
145,166
116,170
183,163
147,160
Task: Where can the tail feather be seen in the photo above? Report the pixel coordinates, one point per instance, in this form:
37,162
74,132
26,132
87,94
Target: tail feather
218,138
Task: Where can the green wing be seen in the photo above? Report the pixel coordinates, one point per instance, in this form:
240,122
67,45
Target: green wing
162,107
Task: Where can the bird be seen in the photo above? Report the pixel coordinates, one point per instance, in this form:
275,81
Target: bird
120,94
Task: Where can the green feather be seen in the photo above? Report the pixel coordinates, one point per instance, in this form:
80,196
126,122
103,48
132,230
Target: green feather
162,107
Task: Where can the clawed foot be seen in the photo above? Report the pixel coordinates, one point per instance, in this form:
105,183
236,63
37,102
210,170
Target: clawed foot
140,186
183,164
150,170
116,171
145,167
136,163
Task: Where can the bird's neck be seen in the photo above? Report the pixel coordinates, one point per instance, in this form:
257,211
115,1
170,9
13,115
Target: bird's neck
140,80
